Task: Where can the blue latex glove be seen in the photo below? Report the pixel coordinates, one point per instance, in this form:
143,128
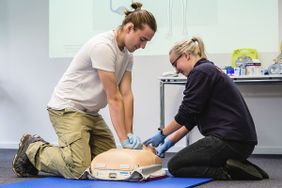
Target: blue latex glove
155,140
135,141
132,142
160,151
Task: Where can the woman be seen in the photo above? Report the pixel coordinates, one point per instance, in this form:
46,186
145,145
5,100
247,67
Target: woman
213,103
99,74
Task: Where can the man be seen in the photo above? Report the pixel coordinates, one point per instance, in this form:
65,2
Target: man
99,74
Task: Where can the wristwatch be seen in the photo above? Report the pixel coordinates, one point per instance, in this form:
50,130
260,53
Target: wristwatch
161,131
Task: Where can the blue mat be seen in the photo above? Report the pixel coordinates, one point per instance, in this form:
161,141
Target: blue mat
52,182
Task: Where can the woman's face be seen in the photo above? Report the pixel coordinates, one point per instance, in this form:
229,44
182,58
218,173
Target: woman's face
138,38
182,63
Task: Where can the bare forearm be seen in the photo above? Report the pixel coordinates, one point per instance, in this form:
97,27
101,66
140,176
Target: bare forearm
128,109
117,114
177,135
171,127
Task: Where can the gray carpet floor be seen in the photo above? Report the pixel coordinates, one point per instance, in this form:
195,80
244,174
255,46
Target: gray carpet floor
270,163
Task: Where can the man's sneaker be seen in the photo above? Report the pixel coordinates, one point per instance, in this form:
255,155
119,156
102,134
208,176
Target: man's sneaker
242,170
22,167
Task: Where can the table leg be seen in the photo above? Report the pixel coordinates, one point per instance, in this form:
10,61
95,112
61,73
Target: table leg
162,105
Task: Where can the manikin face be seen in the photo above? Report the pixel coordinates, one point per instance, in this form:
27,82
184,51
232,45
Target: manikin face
136,39
182,63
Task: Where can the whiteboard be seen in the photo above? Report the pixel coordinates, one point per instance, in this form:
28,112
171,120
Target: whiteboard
224,25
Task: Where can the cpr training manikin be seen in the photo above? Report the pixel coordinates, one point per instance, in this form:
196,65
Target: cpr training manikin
125,165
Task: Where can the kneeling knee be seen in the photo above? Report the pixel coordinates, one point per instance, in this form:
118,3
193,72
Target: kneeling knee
172,168
76,171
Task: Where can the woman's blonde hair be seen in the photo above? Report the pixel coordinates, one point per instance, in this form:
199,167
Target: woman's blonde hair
195,46
139,17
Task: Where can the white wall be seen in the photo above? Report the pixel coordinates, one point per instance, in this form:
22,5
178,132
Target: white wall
28,76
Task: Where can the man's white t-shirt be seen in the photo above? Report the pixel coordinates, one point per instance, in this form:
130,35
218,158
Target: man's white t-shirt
80,87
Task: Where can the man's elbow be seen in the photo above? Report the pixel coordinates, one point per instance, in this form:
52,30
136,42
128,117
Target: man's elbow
128,96
114,99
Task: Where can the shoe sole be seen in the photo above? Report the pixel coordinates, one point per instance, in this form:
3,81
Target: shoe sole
238,167
261,171
24,138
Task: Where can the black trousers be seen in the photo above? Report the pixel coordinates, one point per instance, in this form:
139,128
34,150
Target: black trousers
207,157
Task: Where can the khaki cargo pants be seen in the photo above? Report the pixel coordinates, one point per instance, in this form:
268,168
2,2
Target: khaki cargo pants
81,137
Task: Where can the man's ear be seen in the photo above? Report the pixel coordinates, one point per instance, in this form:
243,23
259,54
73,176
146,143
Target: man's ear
129,27
186,55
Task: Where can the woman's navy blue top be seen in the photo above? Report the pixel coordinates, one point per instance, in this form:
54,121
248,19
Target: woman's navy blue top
213,102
